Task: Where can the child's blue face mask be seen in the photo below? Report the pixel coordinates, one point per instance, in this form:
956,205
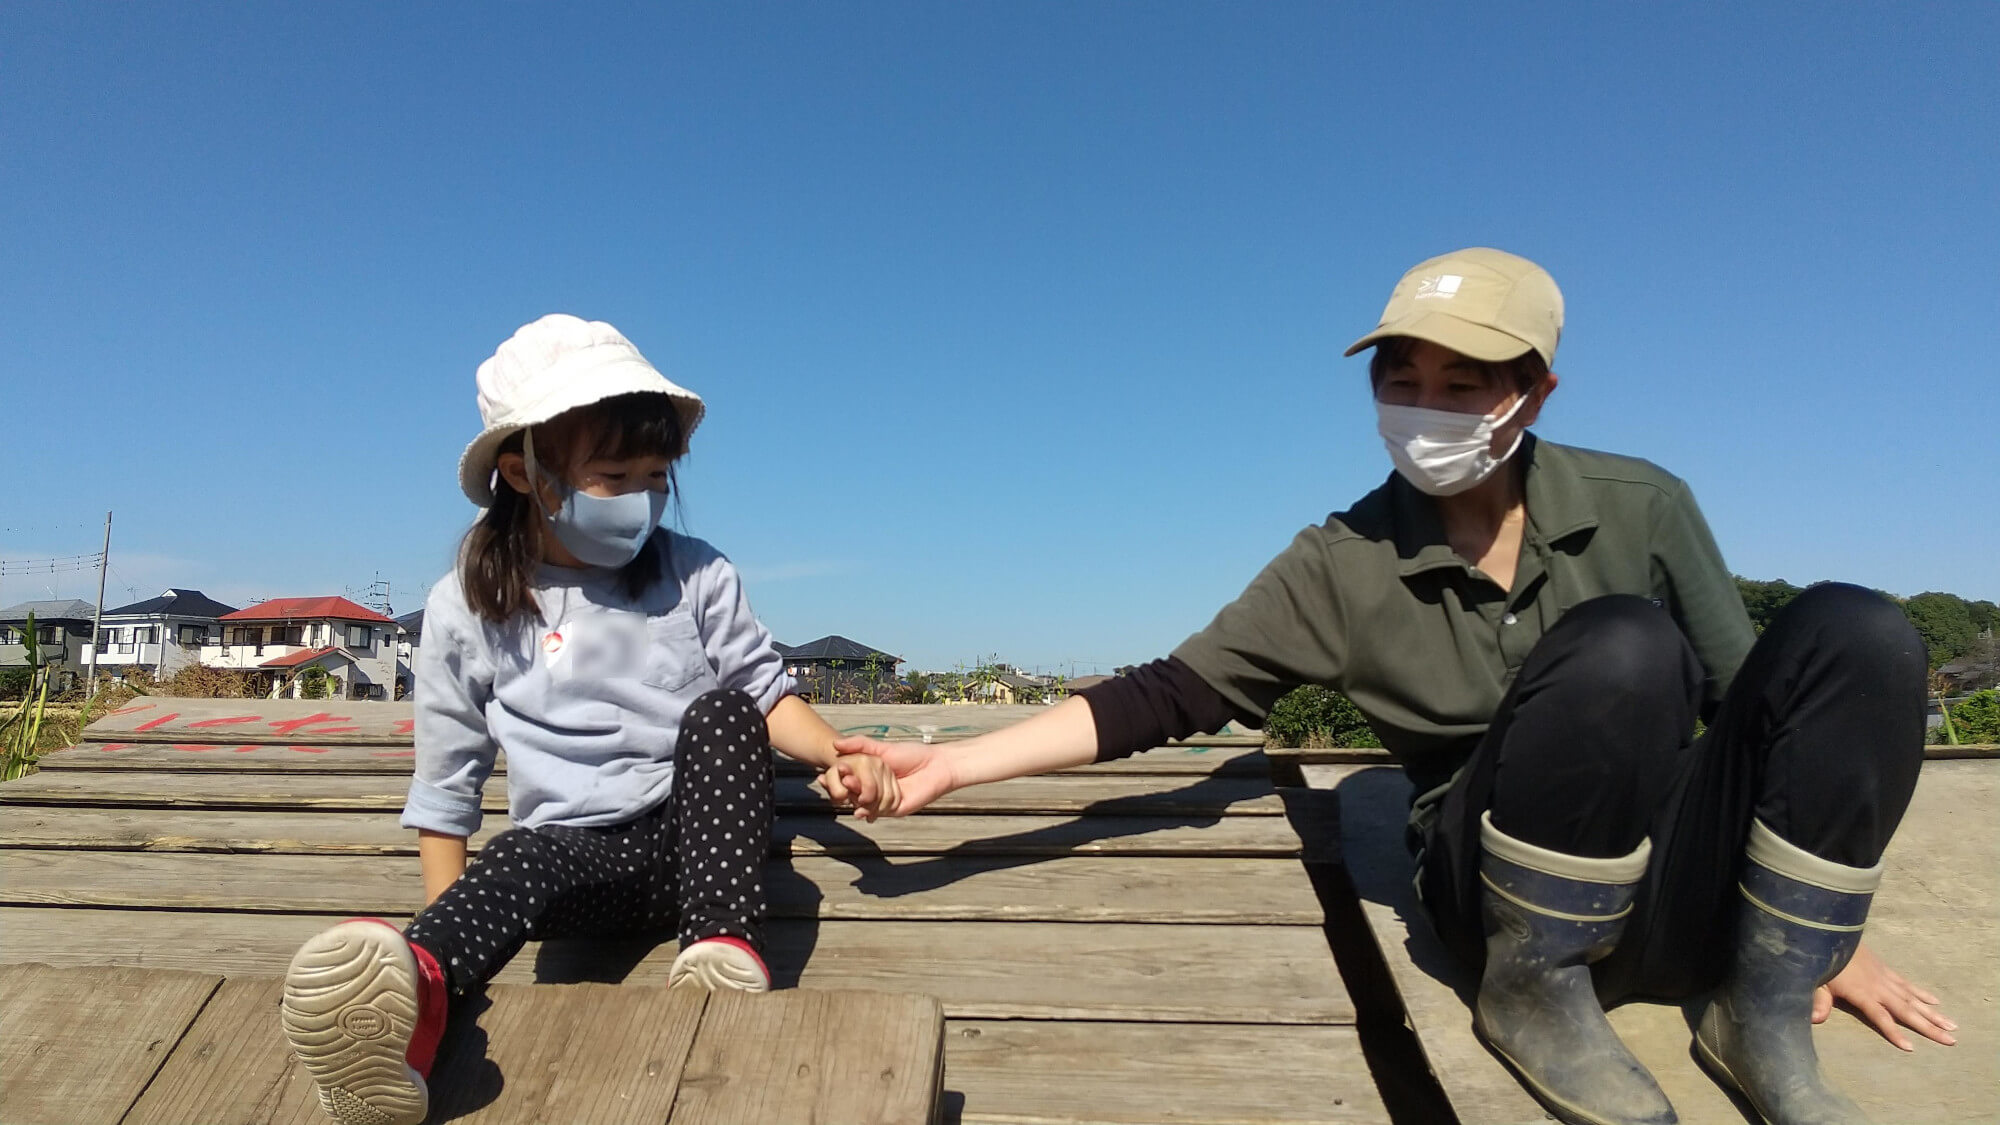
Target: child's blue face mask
601,530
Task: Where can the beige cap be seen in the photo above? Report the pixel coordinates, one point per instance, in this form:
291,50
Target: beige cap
1484,303
552,365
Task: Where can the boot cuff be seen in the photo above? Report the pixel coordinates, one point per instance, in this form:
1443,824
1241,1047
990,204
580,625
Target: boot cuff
1619,870
1769,850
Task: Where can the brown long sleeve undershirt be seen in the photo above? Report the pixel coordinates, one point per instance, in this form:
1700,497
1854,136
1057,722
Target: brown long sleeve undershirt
1152,705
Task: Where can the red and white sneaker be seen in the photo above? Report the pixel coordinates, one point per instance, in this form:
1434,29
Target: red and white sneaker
718,963
364,1010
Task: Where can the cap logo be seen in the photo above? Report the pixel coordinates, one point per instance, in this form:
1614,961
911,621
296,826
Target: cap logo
1443,285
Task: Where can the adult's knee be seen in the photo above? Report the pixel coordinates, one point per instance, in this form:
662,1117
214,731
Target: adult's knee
1858,629
1619,657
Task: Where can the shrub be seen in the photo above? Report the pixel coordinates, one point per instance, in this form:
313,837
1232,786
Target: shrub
198,681
1977,717
1316,716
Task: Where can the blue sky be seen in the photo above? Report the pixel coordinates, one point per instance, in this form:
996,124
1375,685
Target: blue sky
1019,325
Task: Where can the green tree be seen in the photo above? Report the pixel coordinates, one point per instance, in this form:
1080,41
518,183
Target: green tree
1977,717
1945,622
1763,600
1985,615
1318,717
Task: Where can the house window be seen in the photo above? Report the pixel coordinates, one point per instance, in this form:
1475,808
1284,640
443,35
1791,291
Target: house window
9,635
146,634
50,634
288,634
192,636
359,636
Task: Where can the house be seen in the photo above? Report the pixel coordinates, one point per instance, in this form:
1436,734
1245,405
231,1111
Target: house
1072,687
288,637
62,635
1009,687
409,634
837,670
161,635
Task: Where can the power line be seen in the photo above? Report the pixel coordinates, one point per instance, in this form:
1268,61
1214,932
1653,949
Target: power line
61,564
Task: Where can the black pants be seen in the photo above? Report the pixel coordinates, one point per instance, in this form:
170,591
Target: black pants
694,862
1820,737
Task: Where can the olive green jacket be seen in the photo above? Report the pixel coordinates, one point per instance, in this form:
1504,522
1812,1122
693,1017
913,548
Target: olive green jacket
1375,604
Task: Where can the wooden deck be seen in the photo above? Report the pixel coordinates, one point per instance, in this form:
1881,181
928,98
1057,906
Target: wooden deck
1134,942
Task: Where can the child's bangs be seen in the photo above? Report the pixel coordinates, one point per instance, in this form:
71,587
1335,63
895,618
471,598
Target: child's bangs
634,425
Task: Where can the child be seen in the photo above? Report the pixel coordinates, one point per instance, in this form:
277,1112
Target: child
636,696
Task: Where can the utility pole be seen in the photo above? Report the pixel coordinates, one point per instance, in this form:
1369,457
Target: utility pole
97,623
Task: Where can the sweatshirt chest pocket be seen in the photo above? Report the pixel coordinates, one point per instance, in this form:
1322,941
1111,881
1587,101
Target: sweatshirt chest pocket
674,656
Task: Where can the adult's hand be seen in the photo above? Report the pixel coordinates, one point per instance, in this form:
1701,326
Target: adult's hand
1880,996
923,773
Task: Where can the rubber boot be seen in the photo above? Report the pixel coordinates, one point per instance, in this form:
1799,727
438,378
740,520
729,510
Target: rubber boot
1799,923
1548,916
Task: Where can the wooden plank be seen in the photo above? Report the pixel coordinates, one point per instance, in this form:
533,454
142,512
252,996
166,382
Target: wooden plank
78,1045
232,1067
1097,795
814,1056
380,833
342,722
980,970
1125,1073
972,888
224,756
583,1052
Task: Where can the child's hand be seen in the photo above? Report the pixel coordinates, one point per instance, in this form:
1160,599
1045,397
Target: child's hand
923,773
866,783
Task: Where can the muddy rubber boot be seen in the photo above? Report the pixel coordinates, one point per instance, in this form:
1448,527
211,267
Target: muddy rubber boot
1799,922
1548,916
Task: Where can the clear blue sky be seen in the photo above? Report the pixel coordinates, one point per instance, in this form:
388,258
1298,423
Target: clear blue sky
1019,325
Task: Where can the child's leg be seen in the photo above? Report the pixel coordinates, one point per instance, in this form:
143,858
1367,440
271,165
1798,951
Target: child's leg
365,1007
722,816
530,884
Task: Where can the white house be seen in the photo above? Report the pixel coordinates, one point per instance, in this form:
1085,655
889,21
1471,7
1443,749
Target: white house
285,636
161,635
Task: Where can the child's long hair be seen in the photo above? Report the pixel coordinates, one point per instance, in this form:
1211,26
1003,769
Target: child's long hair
497,560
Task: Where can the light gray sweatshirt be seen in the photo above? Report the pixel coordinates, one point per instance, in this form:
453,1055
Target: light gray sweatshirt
588,699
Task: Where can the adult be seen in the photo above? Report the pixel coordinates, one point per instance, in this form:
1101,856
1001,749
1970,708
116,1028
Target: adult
1534,630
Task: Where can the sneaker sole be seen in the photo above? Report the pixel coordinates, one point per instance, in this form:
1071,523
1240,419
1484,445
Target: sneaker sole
715,966
349,1010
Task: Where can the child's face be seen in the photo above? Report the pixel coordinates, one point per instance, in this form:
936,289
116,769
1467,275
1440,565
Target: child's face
607,476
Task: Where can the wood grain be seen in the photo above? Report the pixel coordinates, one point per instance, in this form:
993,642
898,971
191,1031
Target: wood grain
77,1045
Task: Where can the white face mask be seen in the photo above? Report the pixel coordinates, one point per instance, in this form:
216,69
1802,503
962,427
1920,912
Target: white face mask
1444,452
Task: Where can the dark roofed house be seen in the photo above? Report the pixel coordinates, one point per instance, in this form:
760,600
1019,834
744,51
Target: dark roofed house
837,670
161,635
409,635
62,629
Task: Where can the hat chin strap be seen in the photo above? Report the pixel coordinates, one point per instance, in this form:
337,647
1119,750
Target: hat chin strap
534,475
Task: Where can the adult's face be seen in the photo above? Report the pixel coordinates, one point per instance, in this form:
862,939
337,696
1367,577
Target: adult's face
1434,377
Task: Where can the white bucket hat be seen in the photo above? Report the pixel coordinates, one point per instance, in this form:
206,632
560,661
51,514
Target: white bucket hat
550,366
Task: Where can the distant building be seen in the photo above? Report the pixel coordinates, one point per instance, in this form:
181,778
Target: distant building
161,635
1071,687
409,634
837,670
1010,687
62,635
286,636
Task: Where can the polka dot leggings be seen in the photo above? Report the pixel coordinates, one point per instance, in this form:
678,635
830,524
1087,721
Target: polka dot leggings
696,862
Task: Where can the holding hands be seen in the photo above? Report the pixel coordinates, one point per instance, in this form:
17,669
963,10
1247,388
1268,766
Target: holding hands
914,774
